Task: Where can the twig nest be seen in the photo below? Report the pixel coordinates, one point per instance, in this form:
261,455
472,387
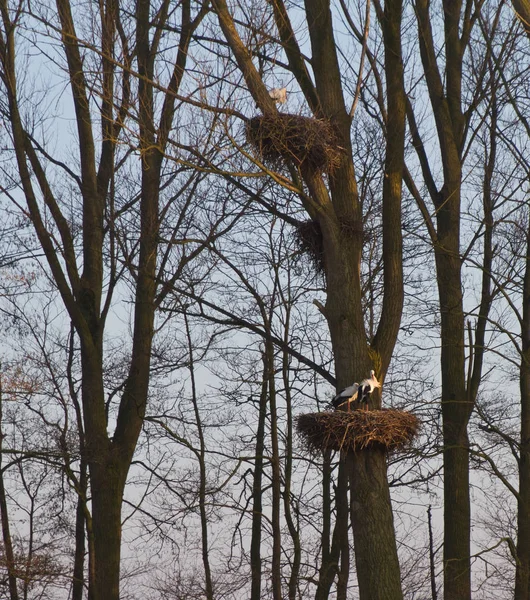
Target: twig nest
388,429
304,140
308,237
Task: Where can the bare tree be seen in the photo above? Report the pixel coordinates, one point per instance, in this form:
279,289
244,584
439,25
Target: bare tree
334,205
81,246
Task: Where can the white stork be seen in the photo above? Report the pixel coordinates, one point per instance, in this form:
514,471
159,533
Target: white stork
347,395
279,95
366,387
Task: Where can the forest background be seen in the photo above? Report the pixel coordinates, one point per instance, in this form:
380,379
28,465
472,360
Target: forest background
187,265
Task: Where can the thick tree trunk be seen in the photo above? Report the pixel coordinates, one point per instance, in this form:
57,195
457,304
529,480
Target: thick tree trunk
107,484
376,557
457,515
456,405
339,213
457,399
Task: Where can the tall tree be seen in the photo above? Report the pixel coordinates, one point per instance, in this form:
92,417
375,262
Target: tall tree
82,255
334,205
444,81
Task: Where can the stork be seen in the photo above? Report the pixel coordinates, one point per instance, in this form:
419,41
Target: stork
345,396
366,387
279,95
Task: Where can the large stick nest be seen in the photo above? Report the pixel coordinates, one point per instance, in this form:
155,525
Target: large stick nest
304,140
386,429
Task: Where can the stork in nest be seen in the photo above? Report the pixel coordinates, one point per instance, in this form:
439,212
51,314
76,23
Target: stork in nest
279,95
366,387
345,397
357,391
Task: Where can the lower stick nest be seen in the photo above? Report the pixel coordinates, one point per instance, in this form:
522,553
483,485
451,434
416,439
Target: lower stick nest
358,430
308,238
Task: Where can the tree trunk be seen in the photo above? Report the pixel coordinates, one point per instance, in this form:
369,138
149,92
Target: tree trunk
79,280
4,517
107,484
432,563
276,476
78,577
522,569
288,469
329,566
456,408
208,584
376,556
339,213
457,400
257,503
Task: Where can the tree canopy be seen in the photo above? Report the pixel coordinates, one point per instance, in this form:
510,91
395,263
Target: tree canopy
219,214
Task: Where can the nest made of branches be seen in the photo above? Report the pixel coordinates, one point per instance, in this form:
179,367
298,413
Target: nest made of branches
386,429
304,140
309,240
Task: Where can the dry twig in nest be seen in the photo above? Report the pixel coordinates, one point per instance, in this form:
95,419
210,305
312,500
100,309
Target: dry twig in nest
353,431
304,140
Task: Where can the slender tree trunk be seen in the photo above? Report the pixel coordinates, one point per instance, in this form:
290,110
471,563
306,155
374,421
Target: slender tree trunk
257,495
432,563
344,567
78,578
91,558
522,569
202,469
326,563
6,532
292,526
276,477
331,558
82,520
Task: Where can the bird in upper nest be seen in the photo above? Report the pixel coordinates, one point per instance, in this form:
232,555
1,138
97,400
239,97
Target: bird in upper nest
366,387
345,396
279,95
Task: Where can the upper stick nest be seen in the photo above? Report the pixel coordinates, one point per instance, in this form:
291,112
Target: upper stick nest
304,140
388,429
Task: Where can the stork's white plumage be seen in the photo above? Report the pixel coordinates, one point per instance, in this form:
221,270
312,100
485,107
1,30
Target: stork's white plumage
279,95
347,395
366,387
